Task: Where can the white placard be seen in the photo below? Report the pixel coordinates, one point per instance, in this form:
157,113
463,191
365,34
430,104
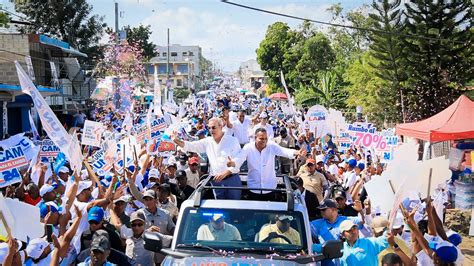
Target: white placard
92,133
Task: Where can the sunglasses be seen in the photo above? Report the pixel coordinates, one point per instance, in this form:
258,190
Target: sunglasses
148,199
137,225
93,222
310,165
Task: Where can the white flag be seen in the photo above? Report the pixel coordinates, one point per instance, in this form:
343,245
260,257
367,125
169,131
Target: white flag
54,73
50,122
33,127
29,66
290,100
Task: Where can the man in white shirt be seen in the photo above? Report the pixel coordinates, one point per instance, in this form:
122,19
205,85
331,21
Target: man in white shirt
218,147
260,156
264,124
240,128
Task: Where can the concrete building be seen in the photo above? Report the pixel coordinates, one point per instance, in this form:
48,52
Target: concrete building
66,93
250,73
184,65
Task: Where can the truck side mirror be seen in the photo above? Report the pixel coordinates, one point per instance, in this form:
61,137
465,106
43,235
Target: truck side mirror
152,241
332,249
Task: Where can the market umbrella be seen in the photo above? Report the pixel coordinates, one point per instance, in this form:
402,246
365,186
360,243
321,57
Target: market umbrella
278,96
243,90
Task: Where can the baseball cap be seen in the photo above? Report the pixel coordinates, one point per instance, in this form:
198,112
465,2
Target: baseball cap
398,222
137,216
180,173
446,251
122,198
183,157
454,237
352,163
217,216
346,225
151,184
44,210
379,223
171,165
153,173
343,165
149,193
310,160
320,159
283,130
46,188
193,160
340,194
36,247
83,185
165,187
263,115
95,214
4,249
328,203
285,217
64,169
100,241
361,166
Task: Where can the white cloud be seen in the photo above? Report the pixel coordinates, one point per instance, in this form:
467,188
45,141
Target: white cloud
232,41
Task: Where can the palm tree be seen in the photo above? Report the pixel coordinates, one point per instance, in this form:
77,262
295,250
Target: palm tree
325,92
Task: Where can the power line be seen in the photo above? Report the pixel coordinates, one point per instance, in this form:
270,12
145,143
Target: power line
337,25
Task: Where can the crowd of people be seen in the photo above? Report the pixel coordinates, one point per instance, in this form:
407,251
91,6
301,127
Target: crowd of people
101,220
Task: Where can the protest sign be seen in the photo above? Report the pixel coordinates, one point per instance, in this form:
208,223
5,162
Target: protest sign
471,228
48,150
21,219
316,117
380,193
92,133
10,161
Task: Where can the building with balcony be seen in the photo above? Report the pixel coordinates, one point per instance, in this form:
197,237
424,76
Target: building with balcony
184,65
251,75
63,85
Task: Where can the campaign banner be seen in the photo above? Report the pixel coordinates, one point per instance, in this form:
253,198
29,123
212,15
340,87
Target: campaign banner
51,124
11,160
48,150
158,124
92,133
316,118
29,149
103,166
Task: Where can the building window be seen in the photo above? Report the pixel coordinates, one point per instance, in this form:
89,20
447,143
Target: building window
179,83
164,54
174,54
182,68
191,53
185,53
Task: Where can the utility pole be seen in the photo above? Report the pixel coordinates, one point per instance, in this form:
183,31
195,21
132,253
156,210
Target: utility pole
168,82
116,19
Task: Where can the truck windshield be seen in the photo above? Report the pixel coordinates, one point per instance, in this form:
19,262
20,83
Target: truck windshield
237,229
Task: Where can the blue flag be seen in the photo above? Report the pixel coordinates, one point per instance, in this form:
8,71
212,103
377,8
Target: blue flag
60,162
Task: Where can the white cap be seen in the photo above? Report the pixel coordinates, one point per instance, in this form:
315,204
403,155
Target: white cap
45,189
319,158
4,249
263,115
64,169
343,165
36,247
153,173
83,185
398,222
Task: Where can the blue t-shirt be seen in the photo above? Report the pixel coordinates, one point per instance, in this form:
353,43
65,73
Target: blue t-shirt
323,230
364,251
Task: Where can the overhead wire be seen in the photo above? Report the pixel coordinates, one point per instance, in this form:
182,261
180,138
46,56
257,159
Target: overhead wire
337,25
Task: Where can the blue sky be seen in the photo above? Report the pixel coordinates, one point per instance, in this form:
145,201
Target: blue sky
233,33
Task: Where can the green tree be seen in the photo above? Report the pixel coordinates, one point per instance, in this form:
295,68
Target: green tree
368,90
387,47
4,19
141,36
279,38
326,92
69,21
439,55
